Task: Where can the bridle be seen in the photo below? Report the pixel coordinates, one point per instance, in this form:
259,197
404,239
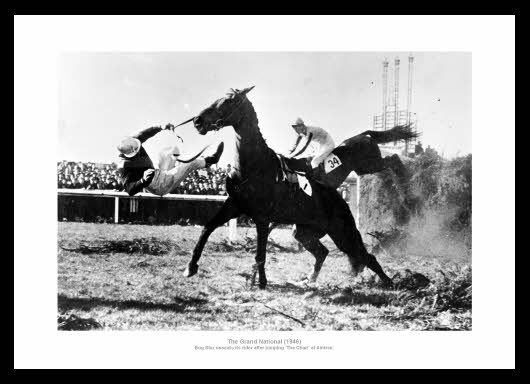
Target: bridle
220,122
217,125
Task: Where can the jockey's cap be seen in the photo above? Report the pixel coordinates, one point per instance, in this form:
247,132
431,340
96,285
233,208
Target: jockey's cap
298,122
129,146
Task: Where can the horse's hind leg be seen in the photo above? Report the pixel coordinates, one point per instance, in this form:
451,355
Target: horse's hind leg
373,264
345,238
348,239
309,237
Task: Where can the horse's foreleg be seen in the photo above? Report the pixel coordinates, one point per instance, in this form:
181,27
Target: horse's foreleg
228,211
261,254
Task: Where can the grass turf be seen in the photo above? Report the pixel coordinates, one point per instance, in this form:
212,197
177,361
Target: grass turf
129,277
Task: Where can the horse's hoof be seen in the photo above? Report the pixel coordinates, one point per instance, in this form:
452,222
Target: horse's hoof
191,270
387,283
262,283
312,279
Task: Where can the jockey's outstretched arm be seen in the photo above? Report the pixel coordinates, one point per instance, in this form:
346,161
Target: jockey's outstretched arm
147,133
150,132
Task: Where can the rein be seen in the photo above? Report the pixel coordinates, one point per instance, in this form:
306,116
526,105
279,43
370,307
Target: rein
217,126
305,146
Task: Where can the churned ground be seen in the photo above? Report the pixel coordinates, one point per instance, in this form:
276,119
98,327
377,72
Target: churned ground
129,277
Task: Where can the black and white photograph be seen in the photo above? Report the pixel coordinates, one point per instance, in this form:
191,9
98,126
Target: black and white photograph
321,191
245,199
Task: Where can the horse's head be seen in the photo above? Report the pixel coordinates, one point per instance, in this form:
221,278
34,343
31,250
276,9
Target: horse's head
224,112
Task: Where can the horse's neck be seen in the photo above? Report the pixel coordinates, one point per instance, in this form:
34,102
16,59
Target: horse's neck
252,152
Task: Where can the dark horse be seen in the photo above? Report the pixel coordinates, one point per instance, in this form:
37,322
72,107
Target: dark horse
255,189
360,154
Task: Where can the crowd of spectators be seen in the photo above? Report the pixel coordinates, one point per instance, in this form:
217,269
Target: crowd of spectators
80,175
205,181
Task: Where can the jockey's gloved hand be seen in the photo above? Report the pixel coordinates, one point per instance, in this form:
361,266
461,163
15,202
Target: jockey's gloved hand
148,176
169,127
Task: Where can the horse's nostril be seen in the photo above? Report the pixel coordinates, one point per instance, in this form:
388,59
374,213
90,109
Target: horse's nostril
197,120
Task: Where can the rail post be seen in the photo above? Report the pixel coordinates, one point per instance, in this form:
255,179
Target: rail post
355,199
232,230
116,209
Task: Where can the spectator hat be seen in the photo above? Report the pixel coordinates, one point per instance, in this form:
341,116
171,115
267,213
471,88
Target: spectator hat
129,146
299,122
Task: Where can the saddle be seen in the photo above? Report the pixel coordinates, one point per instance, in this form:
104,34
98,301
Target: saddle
291,176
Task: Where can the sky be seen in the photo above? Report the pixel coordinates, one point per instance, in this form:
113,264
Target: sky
104,97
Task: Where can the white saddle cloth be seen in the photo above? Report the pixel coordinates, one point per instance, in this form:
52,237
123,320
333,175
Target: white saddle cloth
295,178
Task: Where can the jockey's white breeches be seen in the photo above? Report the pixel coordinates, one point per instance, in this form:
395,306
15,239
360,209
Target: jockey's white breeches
169,174
322,153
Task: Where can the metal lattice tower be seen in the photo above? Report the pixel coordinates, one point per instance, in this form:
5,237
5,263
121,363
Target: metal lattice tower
385,91
391,114
396,91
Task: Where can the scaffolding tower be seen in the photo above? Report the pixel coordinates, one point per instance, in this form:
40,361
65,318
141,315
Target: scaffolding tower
391,114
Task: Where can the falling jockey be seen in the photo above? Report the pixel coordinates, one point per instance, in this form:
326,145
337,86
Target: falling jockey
137,172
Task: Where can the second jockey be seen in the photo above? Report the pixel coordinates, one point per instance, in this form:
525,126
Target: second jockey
315,136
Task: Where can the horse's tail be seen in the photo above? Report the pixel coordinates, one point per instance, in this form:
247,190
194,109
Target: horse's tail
399,132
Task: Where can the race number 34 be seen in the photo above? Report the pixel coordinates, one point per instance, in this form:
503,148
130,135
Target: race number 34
332,162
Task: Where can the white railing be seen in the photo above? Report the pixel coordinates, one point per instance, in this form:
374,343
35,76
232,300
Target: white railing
232,225
353,181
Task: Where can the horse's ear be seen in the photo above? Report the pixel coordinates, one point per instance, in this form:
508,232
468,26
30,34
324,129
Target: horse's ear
247,90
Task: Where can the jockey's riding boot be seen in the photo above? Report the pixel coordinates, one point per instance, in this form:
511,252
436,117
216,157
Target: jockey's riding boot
213,159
